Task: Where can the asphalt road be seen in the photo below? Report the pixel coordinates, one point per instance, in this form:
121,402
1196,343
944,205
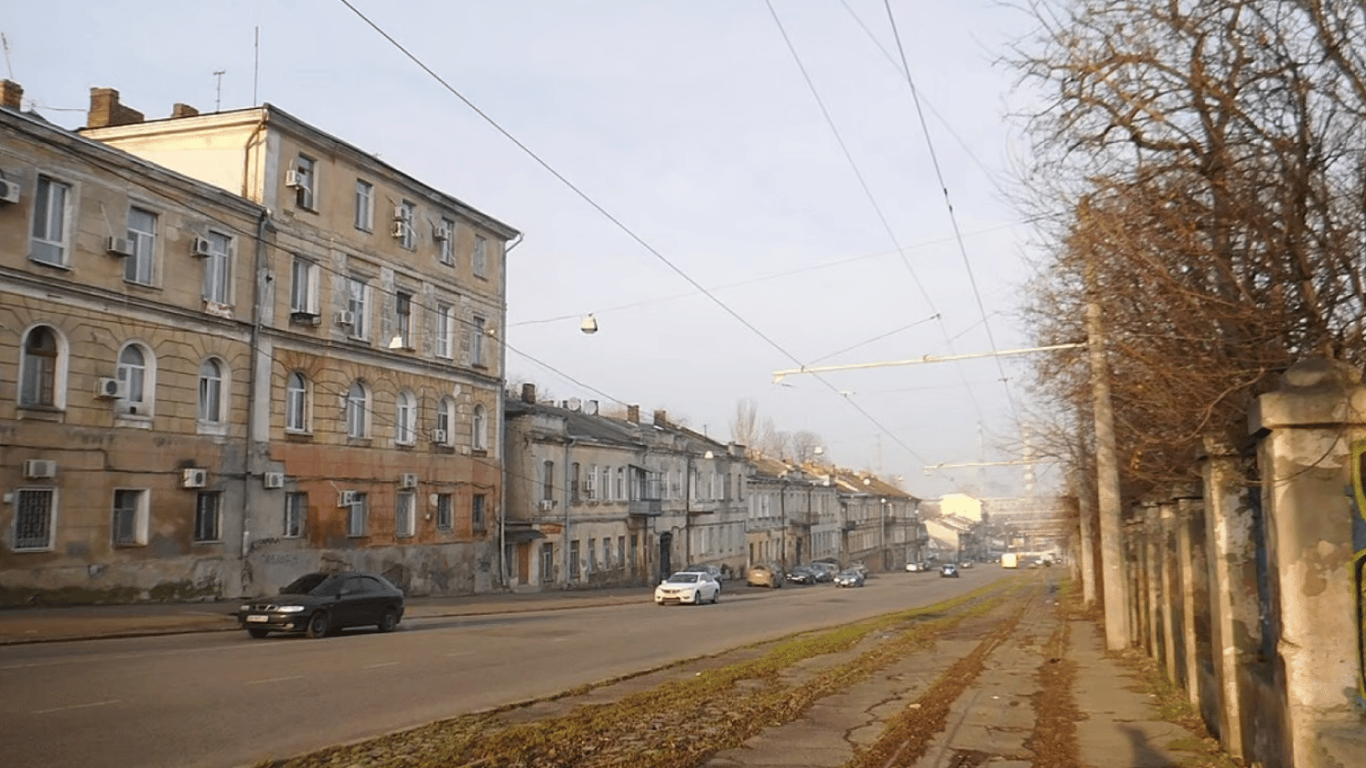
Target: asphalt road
220,700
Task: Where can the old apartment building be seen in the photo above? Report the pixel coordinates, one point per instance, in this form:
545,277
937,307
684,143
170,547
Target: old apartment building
234,348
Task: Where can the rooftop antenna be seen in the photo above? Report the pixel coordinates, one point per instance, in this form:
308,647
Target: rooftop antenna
218,100
5,40
256,68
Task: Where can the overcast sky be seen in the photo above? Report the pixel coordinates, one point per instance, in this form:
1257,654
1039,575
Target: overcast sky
693,125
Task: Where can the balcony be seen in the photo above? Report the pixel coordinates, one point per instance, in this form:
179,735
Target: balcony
646,507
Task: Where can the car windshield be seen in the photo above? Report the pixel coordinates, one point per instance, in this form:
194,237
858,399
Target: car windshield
683,578
305,585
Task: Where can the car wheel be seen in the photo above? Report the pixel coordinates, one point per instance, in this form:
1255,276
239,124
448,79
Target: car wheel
257,632
389,621
715,596
318,625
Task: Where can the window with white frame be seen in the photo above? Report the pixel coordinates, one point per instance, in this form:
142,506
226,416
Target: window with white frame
35,517
303,289
479,429
403,320
211,391
305,181
605,483
130,517
296,402
547,481
358,302
446,241
40,368
445,331
445,512
590,482
477,340
296,513
142,231
207,517
405,421
404,513
445,421
358,518
358,411
407,215
136,370
365,205
620,491
481,256
51,207
218,268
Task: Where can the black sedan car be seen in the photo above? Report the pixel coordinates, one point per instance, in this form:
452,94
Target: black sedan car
318,603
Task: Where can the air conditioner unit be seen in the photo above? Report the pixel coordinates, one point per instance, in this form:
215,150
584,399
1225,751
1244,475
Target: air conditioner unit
400,229
9,191
273,480
547,505
441,232
400,213
110,388
201,247
40,469
439,436
407,480
295,179
346,317
194,477
346,498
120,246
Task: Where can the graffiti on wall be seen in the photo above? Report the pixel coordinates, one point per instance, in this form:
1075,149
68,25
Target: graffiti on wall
1358,498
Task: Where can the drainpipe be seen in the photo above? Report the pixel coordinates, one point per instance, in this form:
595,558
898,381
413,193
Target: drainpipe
564,534
263,279
503,574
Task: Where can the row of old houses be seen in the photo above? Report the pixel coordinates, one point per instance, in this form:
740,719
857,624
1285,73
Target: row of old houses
234,348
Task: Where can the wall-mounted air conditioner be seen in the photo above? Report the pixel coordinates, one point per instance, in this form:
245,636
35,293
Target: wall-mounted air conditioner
400,229
120,246
439,436
547,505
295,179
110,388
9,191
272,480
407,480
346,498
441,232
201,247
194,477
40,469
346,317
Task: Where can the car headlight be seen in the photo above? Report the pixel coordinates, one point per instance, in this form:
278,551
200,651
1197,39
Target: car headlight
244,608
290,609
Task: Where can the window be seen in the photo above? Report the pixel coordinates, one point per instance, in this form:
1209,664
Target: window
403,321
365,205
605,483
481,256
130,517
135,373
217,268
477,341
621,551
592,555
590,482
296,512
620,493
358,518
445,517
211,392
574,482
357,411
296,403
49,221
445,241
547,563
606,552
38,368
206,517
574,560
407,233
142,230
445,421
445,331
479,429
34,519
477,511
303,289
305,178
548,480
405,423
404,504
357,299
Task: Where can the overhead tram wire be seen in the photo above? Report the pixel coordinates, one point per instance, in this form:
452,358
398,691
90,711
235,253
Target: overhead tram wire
618,223
953,217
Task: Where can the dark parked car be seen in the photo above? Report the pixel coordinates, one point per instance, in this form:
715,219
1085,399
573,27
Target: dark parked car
801,574
319,603
824,571
849,578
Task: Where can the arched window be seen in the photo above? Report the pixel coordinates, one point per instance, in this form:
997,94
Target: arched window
38,368
405,421
296,403
211,391
479,432
357,411
137,371
445,421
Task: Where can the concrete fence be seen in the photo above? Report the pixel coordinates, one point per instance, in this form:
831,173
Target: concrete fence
1249,587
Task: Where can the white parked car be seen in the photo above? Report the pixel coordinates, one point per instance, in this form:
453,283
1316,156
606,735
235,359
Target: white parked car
688,587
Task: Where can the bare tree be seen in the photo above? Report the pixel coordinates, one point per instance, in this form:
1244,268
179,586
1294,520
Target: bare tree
804,444
744,429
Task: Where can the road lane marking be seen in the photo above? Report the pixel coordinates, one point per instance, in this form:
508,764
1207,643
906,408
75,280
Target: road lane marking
75,706
383,664
275,680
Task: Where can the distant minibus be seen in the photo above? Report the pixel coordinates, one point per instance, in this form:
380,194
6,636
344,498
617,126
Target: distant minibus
1009,560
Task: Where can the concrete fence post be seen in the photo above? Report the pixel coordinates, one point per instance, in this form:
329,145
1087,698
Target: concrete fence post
1171,597
1152,576
1305,430
1187,510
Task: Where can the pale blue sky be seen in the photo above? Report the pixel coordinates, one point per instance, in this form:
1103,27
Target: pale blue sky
690,123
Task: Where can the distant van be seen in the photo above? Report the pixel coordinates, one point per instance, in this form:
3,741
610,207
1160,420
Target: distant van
1010,560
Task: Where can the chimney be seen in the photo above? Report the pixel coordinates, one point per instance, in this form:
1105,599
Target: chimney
633,414
661,419
106,111
183,110
11,94
529,393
